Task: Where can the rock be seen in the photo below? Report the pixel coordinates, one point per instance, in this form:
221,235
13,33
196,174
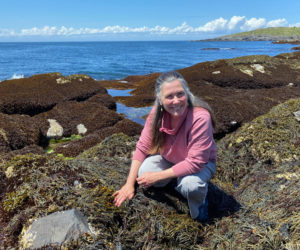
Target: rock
290,41
81,129
68,115
296,48
40,93
210,49
104,99
17,132
55,229
297,115
55,129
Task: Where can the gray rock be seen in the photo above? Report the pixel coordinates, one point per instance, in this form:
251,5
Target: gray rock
55,229
297,115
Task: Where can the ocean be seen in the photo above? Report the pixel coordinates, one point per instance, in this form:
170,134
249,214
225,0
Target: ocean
116,60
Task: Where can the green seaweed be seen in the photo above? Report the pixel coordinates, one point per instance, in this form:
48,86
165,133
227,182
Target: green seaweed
14,200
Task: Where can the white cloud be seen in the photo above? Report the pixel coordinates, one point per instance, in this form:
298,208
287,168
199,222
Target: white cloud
216,27
295,25
253,23
235,21
7,32
277,23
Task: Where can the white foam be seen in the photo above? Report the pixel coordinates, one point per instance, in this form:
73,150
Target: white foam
17,76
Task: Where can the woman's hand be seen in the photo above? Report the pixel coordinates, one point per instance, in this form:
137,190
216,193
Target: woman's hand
148,179
126,192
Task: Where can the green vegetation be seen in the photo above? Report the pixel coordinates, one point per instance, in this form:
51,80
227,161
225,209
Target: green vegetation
53,143
266,34
280,31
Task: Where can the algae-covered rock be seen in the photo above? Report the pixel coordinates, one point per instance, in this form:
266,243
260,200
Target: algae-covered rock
64,118
259,164
17,131
40,93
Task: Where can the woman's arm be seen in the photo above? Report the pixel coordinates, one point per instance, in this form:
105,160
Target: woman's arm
127,191
150,178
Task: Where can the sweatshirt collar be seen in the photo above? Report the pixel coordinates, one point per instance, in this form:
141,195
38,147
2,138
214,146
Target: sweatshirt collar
166,123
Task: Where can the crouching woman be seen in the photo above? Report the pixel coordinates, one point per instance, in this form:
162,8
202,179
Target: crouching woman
176,142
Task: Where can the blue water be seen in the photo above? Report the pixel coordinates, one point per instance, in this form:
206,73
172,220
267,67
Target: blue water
116,60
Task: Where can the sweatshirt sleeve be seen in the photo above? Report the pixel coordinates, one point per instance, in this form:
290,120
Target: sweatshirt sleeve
144,144
200,144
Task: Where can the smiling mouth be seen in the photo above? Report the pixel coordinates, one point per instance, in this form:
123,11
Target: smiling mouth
177,109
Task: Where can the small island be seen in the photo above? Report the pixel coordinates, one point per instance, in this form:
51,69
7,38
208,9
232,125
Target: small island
278,34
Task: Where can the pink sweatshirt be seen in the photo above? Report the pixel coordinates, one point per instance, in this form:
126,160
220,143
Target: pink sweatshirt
190,145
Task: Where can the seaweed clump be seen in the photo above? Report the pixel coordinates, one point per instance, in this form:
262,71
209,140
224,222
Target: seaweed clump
259,165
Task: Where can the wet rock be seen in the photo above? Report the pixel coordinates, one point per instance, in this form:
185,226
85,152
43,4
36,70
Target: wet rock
105,100
17,131
290,41
64,118
55,230
40,93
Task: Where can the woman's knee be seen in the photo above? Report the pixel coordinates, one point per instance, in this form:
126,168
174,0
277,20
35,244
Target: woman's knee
153,163
191,185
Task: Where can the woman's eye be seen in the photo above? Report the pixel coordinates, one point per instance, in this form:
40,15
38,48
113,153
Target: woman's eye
169,96
180,94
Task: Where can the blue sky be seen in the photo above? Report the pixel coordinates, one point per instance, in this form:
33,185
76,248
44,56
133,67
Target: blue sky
114,20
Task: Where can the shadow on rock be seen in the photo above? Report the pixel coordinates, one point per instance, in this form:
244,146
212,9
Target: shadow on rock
220,204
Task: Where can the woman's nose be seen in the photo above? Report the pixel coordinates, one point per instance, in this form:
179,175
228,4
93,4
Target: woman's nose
176,99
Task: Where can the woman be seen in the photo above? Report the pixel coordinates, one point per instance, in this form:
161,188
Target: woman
176,142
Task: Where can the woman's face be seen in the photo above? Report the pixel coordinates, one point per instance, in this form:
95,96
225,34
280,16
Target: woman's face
173,98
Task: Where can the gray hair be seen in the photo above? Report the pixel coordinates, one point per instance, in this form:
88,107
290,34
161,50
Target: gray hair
169,77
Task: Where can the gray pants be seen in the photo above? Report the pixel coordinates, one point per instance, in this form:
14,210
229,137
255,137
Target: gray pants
193,187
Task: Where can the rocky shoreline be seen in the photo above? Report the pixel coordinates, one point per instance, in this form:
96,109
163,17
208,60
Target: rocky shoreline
63,146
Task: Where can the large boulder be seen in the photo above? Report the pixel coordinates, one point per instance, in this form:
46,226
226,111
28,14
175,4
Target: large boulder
55,230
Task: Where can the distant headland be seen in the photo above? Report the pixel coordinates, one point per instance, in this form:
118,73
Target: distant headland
287,34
